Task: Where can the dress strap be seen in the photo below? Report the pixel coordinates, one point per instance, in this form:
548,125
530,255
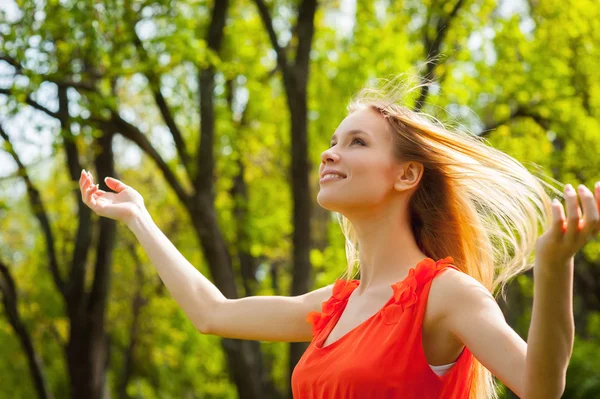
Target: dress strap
341,292
407,291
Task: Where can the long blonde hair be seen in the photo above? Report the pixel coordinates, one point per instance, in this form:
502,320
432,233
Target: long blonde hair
474,202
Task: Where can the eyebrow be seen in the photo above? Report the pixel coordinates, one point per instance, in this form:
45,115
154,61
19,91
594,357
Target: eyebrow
353,132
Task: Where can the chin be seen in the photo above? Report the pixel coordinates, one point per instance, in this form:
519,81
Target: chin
329,203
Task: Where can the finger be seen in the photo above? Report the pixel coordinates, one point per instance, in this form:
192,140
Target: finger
89,192
558,219
590,213
84,185
83,180
115,184
98,193
597,191
93,196
573,213
86,194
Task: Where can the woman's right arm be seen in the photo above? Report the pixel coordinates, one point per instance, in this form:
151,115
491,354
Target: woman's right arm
268,318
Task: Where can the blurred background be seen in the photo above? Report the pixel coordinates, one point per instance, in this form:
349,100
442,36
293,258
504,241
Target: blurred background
217,113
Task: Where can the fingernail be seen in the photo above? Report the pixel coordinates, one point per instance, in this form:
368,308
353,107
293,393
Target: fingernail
597,185
569,187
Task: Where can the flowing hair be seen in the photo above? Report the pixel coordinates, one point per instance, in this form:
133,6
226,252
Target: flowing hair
474,202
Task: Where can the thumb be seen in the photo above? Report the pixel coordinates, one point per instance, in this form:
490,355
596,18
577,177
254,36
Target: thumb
115,184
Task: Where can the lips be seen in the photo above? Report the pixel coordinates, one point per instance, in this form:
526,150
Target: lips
327,178
326,172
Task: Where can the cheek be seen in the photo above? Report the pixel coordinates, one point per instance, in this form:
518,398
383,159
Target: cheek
374,173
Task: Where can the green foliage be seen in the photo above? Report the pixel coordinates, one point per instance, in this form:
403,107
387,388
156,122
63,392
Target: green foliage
532,74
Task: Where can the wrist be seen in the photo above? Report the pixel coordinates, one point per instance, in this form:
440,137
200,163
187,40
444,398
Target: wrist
552,269
137,219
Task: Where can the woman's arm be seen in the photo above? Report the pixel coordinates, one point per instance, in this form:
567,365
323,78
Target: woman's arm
196,295
275,318
536,369
533,369
552,332
473,316
269,318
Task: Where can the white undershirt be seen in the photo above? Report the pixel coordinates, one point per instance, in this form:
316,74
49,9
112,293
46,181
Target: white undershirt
441,370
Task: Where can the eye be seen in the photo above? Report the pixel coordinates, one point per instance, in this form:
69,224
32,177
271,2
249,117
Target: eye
359,140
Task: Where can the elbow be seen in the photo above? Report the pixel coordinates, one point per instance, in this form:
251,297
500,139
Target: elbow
203,329
554,389
205,322
203,326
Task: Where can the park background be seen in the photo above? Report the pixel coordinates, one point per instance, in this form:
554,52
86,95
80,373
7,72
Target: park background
217,113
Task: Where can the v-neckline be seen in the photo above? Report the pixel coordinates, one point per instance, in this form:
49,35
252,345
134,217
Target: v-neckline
339,316
321,342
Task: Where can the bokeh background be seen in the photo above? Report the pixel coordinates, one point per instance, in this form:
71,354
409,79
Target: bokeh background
217,113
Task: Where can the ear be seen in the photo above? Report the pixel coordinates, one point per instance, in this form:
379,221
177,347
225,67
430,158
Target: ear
409,175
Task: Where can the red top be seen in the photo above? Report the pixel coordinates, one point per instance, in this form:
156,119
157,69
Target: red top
383,356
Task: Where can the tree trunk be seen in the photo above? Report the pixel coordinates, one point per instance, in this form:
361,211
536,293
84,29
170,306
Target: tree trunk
87,348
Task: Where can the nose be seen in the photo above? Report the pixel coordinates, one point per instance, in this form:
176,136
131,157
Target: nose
329,155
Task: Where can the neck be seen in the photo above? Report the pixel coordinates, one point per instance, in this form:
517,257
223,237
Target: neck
387,246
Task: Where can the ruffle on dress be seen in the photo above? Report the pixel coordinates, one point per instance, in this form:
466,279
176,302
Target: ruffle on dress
341,291
406,291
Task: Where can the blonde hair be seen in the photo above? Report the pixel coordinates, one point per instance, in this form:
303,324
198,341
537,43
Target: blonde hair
474,202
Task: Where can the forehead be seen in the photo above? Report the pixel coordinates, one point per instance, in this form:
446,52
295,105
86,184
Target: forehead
367,121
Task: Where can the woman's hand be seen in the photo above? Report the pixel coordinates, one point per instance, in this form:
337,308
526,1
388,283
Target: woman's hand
123,205
567,235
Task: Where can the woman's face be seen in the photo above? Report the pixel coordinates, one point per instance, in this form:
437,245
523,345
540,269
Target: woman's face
361,149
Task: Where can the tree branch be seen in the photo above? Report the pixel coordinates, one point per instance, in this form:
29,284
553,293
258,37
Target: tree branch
519,112
117,124
39,211
434,45
160,100
11,61
32,103
87,86
9,300
203,180
137,303
127,130
265,16
75,285
306,29
98,294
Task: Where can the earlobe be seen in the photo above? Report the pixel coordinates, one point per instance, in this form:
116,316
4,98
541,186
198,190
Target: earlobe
402,184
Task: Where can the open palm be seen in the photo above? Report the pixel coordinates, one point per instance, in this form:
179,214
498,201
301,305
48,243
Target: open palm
122,205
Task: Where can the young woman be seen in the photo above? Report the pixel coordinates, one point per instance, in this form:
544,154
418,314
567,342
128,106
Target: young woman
441,220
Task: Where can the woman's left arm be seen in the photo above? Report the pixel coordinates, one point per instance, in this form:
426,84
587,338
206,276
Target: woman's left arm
536,369
552,331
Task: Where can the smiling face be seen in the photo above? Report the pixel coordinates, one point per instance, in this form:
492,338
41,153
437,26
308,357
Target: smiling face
361,149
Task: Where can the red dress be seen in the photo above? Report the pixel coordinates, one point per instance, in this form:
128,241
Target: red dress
383,356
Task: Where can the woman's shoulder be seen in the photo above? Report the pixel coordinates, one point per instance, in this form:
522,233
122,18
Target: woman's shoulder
451,290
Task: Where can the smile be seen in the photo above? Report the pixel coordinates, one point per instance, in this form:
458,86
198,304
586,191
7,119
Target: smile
330,177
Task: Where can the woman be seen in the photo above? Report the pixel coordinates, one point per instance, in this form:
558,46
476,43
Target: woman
441,218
